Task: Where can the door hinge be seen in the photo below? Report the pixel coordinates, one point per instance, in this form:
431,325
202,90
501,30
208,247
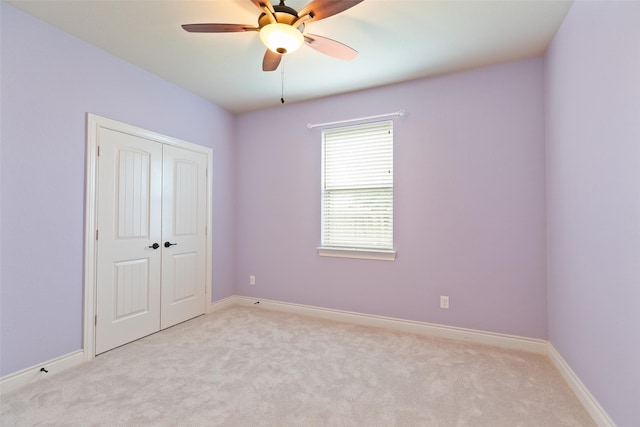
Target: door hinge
98,154
95,320
96,234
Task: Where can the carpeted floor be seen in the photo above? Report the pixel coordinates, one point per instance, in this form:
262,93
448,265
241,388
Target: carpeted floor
253,367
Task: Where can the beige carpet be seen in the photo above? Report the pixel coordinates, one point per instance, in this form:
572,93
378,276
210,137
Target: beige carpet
254,367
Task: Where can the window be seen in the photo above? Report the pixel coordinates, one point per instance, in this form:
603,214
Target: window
357,191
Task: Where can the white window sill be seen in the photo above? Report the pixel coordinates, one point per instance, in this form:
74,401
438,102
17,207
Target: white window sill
376,254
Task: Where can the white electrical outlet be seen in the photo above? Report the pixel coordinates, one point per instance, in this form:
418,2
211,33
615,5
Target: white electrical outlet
444,302
252,279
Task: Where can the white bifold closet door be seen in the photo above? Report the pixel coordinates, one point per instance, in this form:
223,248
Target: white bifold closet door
151,242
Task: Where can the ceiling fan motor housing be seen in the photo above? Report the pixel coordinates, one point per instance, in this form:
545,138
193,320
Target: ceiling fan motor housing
283,15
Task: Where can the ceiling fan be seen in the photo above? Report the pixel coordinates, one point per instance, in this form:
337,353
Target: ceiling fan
281,29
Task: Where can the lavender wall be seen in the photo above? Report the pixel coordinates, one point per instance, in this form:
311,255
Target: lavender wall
469,203
593,197
50,80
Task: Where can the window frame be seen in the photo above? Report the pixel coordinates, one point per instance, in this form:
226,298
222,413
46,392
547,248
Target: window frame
354,251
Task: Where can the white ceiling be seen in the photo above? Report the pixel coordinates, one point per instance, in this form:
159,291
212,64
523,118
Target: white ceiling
397,40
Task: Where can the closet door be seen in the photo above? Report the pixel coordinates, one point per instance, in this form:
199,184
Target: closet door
129,197
148,204
184,239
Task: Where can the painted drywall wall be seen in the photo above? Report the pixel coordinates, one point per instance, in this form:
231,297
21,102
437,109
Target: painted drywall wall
593,198
469,203
50,80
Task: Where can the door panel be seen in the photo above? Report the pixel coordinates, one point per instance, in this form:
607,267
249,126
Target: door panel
131,288
184,208
128,222
133,193
185,268
186,198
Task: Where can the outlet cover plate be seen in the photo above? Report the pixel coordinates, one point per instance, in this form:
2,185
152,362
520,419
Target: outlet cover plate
444,302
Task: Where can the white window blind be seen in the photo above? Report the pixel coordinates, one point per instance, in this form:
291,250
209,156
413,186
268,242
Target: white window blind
357,187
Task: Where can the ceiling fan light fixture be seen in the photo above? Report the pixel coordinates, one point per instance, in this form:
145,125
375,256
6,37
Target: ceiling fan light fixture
281,38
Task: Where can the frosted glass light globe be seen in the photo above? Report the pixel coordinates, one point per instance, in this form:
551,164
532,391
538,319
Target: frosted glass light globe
281,38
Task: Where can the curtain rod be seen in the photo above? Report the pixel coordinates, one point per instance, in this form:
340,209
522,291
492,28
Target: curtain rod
400,113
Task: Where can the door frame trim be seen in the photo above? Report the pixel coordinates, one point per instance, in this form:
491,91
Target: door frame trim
94,124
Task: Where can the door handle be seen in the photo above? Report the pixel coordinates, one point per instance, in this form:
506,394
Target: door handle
154,246
167,244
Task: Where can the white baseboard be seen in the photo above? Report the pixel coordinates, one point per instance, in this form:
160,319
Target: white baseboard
531,345
590,403
29,375
223,303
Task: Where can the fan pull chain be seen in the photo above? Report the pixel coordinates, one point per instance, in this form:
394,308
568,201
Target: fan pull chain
282,76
